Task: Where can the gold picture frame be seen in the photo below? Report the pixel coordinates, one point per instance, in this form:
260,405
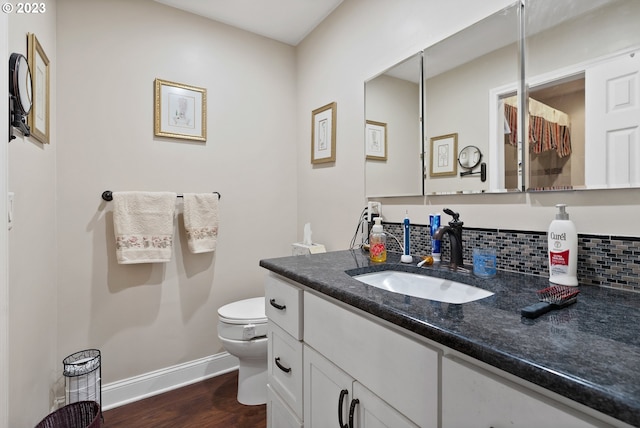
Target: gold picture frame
444,151
180,111
376,140
323,134
38,118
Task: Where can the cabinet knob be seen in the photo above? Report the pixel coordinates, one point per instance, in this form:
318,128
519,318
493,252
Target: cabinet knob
273,303
343,394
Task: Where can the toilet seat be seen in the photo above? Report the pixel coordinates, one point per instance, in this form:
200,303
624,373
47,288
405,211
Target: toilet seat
243,320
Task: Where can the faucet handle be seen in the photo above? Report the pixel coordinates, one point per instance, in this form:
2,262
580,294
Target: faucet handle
455,215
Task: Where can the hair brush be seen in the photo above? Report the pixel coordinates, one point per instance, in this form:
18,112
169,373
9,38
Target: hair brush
554,297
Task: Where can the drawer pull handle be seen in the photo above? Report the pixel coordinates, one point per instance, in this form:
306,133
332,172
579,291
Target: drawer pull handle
343,394
277,306
281,367
352,410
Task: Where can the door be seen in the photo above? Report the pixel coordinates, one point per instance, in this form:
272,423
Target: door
612,116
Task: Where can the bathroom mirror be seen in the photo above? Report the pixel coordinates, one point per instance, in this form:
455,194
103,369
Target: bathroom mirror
467,77
583,77
393,135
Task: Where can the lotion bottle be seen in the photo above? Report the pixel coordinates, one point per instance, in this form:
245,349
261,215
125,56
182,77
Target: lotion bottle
378,242
562,242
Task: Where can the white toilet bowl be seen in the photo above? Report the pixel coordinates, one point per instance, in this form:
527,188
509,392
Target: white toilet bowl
242,329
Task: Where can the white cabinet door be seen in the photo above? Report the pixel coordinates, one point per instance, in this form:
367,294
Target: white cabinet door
325,388
471,398
278,414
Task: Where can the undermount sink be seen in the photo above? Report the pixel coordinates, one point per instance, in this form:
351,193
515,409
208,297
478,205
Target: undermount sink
425,287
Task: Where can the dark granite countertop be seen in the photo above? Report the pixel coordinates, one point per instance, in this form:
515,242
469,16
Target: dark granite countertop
588,352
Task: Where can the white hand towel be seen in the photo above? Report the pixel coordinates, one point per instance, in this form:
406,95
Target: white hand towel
201,221
143,225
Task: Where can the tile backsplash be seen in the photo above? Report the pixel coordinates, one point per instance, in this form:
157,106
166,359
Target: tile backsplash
608,261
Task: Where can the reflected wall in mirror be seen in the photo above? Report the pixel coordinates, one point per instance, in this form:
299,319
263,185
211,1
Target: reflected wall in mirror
583,73
393,99
466,78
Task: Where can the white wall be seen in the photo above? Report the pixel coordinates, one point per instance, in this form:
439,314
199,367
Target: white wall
33,289
342,53
149,317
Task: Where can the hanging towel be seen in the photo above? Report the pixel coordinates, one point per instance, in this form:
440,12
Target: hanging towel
143,225
201,221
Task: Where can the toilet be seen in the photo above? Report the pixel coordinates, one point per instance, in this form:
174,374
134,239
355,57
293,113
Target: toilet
242,329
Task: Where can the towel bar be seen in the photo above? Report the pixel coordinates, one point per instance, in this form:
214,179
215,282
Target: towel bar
107,195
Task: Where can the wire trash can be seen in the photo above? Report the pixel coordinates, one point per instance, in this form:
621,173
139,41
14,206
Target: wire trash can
81,414
82,376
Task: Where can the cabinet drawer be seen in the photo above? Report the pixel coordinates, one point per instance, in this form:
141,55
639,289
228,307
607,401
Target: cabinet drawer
401,371
284,305
278,414
284,367
473,397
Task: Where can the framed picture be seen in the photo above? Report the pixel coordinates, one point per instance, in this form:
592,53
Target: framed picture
180,111
38,118
443,155
376,140
323,134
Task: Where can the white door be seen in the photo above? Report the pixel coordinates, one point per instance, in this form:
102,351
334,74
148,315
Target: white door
326,388
612,116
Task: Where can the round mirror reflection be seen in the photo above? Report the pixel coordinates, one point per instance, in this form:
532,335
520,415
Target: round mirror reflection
469,157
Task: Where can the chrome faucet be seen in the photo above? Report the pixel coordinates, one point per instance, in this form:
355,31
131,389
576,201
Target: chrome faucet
454,230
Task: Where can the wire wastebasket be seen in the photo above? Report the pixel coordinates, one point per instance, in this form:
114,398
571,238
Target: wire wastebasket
81,414
82,376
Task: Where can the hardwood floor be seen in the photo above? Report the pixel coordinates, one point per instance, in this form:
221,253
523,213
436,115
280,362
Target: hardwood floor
208,404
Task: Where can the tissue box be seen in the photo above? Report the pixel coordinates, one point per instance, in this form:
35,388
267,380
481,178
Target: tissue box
300,249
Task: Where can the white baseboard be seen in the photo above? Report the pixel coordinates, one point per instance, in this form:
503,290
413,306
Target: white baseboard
136,388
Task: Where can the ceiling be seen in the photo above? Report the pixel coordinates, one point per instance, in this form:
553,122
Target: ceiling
288,21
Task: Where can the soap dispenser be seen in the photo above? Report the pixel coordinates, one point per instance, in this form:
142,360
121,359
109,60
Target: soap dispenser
562,243
378,242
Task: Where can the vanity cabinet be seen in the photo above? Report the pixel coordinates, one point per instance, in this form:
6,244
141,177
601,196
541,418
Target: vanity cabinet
333,365
394,378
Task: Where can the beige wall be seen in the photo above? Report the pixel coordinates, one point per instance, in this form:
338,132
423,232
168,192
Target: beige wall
333,62
32,247
152,316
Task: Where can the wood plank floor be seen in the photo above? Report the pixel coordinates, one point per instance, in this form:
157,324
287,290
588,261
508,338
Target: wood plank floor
208,404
